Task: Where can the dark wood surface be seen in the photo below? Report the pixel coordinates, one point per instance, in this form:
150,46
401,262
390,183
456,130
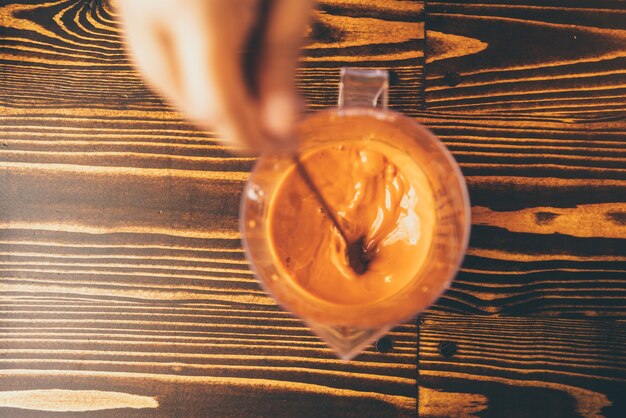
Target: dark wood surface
530,98
521,366
121,269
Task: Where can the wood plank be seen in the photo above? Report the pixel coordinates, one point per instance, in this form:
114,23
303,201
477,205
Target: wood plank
537,244
529,97
548,234
106,394
122,278
551,58
537,123
521,367
42,40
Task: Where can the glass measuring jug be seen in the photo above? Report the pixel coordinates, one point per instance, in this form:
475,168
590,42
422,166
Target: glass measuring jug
415,221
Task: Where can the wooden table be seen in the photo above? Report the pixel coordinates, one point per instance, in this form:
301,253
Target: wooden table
122,279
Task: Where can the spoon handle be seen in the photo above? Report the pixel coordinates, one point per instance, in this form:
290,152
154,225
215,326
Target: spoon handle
309,182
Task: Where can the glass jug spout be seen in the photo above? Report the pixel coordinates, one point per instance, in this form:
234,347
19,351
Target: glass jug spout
347,341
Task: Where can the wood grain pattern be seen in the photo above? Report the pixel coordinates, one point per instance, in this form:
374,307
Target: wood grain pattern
533,367
543,58
529,96
82,35
548,234
122,278
121,269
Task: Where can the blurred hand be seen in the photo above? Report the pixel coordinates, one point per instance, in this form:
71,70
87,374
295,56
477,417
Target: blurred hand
197,53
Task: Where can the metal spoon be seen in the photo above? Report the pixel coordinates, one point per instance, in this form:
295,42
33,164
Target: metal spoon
358,256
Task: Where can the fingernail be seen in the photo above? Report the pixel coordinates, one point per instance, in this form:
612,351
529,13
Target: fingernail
278,115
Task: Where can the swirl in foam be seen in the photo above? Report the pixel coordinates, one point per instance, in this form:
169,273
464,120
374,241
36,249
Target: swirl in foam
379,195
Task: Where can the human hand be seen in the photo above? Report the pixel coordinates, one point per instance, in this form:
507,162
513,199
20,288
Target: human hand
202,54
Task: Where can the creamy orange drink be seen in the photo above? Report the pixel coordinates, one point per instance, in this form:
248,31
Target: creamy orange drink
379,195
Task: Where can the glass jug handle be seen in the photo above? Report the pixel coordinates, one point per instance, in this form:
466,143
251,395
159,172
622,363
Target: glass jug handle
362,87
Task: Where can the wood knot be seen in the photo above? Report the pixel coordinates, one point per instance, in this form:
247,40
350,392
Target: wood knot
452,78
447,349
618,218
384,345
545,218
